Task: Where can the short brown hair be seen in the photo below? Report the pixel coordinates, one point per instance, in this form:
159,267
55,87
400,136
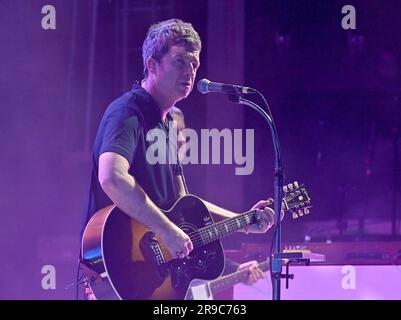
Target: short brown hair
165,34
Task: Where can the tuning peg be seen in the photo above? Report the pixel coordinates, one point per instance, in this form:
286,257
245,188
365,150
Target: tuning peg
294,215
291,186
296,184
285,188
300,213
306,210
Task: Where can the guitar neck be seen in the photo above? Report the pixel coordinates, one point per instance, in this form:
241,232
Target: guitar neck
228,281
296,199
223,228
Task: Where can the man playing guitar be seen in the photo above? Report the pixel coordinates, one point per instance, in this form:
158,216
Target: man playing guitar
121,173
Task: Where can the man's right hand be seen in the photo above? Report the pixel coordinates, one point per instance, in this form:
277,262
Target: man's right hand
177,242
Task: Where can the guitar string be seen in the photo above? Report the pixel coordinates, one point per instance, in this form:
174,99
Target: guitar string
204,235
232,225
200,236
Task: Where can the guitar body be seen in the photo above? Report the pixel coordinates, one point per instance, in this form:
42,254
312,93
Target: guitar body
123,259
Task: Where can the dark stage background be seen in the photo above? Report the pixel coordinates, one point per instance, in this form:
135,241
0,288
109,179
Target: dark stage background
335,95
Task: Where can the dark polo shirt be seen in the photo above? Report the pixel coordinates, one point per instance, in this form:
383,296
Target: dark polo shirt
123,130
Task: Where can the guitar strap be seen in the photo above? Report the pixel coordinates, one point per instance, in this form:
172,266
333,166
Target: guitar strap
184,182
85,216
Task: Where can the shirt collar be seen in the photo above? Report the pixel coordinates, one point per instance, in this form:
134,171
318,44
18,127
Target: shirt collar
148,105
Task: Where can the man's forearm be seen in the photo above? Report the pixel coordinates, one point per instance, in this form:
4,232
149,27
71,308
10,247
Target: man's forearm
128,195
218,212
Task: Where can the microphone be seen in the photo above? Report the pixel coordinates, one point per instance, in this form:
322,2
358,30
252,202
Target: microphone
205,86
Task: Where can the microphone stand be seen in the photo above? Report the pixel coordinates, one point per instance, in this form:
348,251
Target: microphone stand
274,255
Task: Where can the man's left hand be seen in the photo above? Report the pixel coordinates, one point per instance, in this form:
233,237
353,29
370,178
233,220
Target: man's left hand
267,215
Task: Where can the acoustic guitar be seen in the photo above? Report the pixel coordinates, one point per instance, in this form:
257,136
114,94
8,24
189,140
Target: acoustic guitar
123,259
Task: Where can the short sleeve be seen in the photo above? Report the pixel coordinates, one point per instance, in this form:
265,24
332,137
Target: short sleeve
120,134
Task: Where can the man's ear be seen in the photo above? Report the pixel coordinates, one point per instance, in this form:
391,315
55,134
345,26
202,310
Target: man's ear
151,65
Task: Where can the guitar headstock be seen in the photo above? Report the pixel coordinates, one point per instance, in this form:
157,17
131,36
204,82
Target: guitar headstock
296,200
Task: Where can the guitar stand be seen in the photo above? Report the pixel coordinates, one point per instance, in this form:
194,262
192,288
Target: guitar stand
295,258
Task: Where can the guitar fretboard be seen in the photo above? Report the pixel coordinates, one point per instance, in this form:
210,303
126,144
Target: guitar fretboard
296,199
223,228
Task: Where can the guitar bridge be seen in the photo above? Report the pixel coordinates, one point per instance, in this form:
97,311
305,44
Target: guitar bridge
157,253
152,252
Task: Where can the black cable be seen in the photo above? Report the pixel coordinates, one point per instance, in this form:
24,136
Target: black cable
266,104
272,246
78,278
